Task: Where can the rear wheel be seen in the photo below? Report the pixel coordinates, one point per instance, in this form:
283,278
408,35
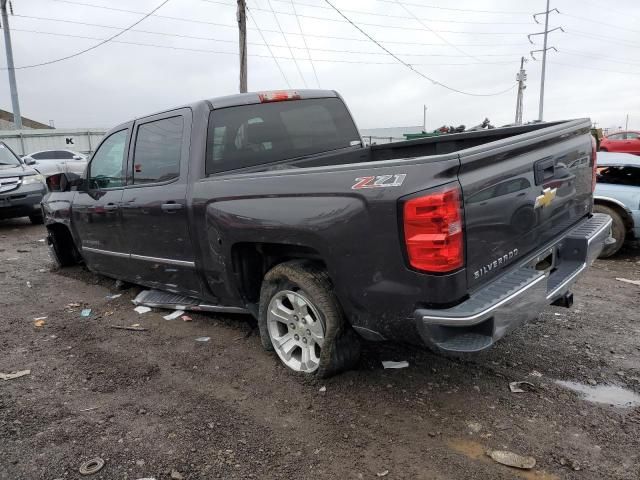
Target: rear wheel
300,318
36,219
61,248
618,230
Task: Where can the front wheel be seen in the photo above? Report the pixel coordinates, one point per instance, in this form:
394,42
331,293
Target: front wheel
300,318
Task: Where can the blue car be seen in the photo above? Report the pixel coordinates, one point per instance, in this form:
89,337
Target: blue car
618,195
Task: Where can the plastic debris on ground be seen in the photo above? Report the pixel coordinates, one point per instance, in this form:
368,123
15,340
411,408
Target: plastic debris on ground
511,459
392,364
72,305
113,296
140,309
85,312
39,322
174,315
186,318
41,240
384,473
516,387
203,339
29,285
11,376
135,328
626,280
39,318
323,389
535,373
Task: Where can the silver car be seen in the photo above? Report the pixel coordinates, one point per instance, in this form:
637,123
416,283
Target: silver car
49,162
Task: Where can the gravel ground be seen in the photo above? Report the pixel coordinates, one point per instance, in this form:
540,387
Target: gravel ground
158,403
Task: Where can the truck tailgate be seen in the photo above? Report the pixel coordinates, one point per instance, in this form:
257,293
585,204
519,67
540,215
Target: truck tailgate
522,192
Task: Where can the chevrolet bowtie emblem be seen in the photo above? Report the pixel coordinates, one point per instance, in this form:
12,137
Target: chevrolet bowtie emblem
544,200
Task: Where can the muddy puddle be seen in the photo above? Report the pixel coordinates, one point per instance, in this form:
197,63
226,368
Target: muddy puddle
606,394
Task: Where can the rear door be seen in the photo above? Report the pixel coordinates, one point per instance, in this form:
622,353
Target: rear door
96,215
154,208
521,193
632,143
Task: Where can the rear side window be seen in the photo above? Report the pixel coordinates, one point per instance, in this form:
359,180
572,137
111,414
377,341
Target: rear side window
250,135
616,136
156,156
43,155
63,155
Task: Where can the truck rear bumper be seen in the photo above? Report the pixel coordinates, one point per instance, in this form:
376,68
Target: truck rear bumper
518,296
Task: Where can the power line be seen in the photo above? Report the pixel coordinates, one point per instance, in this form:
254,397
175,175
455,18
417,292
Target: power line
602,38
286,42
599,22
593,68
194,37
400,27
436,7
93,47
410,66
375,14
435,33
187,49
304,41
269,48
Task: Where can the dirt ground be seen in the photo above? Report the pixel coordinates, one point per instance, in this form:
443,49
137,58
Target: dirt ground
160,404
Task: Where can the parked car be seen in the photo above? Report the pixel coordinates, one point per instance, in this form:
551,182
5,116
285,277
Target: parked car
617,194
21,188
48,162
622,142
269,203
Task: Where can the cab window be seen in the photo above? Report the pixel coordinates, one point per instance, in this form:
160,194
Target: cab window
107,165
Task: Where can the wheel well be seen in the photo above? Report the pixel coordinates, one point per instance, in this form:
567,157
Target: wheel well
626,218
63,236
251,261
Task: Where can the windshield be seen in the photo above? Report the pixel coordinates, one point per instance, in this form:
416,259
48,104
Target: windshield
7,157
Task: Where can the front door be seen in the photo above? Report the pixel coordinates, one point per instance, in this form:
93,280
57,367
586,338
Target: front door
154,206
96,215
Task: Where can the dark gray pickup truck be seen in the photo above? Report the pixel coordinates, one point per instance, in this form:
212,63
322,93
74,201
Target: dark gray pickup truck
269,203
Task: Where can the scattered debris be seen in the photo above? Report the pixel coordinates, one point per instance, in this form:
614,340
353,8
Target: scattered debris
384,473
135,328
203,339
40,318
91,466
392,364
626,280
535,373
475,427
29,285
511,459
516,387
22,250
113,296
88,409
11,376
323,389
176,475
72,305
41,240
174,315
86,312
39,322
140,309
186,318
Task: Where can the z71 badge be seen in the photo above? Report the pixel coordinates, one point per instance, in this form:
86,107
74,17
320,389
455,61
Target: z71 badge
379,181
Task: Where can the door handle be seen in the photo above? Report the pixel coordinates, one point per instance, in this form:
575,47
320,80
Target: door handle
111,206
171,207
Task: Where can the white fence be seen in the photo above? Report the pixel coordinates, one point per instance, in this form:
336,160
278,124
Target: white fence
24,142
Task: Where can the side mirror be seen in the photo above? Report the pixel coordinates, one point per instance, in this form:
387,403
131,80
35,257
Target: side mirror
28,161
65,182
77,157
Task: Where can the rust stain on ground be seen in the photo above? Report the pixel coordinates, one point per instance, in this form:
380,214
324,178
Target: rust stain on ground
476,451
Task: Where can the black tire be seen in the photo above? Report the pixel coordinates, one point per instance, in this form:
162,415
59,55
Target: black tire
341,347
618,230
36,219
603,150
62,249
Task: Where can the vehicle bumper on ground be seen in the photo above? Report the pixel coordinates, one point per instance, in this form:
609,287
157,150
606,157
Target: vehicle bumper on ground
22,202
519,295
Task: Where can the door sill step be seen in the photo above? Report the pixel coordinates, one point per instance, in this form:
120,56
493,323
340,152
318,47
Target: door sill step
175,301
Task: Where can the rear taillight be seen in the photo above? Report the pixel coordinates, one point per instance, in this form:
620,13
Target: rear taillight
279,96
594,158
433,231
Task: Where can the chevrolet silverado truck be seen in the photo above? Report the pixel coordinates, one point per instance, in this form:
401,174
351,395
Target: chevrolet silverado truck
270,204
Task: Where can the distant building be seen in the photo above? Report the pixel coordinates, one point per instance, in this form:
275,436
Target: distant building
6,122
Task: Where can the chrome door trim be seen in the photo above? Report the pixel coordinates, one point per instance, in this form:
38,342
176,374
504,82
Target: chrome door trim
169,261
105,252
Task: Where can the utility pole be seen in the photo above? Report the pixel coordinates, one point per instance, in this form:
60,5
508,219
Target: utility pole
242,29
424,119
626,123
17,118
544,52
520,77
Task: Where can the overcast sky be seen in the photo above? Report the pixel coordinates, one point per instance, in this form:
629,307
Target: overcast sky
595,73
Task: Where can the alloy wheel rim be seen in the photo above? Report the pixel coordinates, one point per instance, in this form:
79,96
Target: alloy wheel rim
296,330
